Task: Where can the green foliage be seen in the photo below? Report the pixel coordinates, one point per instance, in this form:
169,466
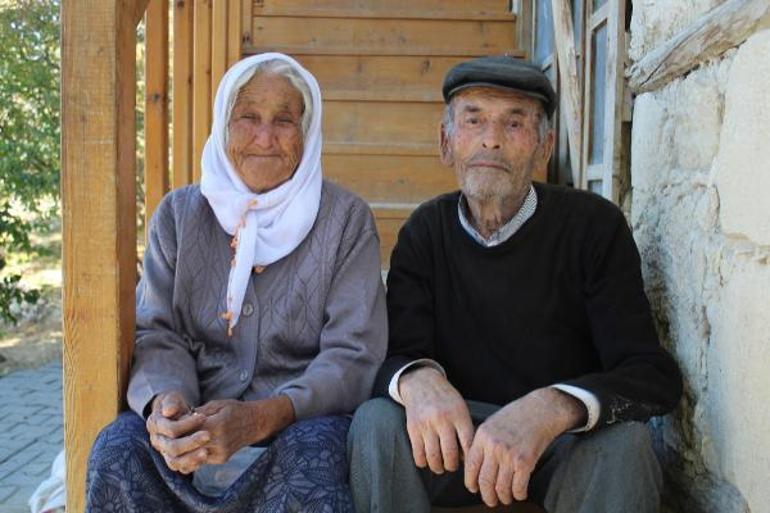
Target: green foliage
10,293
29,129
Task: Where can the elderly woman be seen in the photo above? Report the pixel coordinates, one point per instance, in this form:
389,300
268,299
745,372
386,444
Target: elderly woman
260,320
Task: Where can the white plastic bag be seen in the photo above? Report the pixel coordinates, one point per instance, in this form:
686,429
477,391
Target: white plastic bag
50,496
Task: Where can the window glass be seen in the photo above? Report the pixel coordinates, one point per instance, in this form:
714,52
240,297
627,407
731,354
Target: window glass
577,21
543,31
598,87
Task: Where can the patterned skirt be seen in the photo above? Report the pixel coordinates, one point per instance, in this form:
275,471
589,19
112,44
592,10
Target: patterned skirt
303,469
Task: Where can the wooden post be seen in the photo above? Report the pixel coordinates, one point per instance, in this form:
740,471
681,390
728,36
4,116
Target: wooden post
614,96
201,82
247,12
139,7
99,221
156,107
219,37
564,39
182,170
234,32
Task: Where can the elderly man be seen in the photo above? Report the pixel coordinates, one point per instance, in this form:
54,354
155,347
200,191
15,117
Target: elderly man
522,354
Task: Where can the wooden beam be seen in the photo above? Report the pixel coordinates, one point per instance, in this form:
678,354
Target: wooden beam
475,10
598,16
564,39
201,82
140,7
725,27
587,119
156,107
613,99
234,31
333,36
247,12
99,221
219,38
182,118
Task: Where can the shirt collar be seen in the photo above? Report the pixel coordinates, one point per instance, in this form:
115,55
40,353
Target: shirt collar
506,231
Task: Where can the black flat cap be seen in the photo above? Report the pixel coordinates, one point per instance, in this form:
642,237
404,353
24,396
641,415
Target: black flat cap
504,72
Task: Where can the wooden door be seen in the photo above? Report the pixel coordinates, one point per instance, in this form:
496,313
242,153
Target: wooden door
380,64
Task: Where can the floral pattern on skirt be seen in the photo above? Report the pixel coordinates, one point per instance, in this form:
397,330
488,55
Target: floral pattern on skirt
303,470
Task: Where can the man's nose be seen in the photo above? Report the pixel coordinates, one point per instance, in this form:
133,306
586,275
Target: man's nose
492,136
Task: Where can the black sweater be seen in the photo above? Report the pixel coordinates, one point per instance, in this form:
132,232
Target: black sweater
561,301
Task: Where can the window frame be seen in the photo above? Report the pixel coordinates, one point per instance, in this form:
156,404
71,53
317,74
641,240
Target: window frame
610,176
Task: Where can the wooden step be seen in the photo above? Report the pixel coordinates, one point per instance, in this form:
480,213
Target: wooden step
425,148
394,178
381,64
518,507
379,78
389,219
382,124
390,179
406,9
363,36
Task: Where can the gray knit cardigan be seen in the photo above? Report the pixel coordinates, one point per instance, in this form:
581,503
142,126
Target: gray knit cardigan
313,325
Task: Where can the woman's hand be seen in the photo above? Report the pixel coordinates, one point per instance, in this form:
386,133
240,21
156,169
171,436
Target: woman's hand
174,432
231,424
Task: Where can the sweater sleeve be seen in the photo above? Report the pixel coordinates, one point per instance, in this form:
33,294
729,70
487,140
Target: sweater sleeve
410,302
355,331
639,378
162,359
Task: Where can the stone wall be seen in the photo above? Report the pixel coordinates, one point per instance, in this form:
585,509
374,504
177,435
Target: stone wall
700,210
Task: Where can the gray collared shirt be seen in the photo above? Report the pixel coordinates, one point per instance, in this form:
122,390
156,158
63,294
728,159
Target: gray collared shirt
506,231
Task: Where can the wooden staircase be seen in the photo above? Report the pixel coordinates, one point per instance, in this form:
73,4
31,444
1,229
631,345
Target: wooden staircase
380,64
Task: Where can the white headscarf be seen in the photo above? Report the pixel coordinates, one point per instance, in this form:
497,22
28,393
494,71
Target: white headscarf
268,226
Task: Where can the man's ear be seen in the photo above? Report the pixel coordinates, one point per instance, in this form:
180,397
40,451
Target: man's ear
546,147
446,151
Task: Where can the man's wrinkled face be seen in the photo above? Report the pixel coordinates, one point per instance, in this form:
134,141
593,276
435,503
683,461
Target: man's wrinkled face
265,139
494,145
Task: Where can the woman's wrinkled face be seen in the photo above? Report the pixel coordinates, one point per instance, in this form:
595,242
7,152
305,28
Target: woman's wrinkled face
265,140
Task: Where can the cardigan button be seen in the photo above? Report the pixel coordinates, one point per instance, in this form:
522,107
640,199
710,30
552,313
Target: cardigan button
247,309
243,375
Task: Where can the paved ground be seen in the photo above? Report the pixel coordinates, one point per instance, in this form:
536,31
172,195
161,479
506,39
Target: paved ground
30,432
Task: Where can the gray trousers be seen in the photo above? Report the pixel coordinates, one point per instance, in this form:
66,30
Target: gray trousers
610,470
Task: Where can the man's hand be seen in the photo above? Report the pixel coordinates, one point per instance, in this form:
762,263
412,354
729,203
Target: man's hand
232,424
508,445
173,430
436,418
